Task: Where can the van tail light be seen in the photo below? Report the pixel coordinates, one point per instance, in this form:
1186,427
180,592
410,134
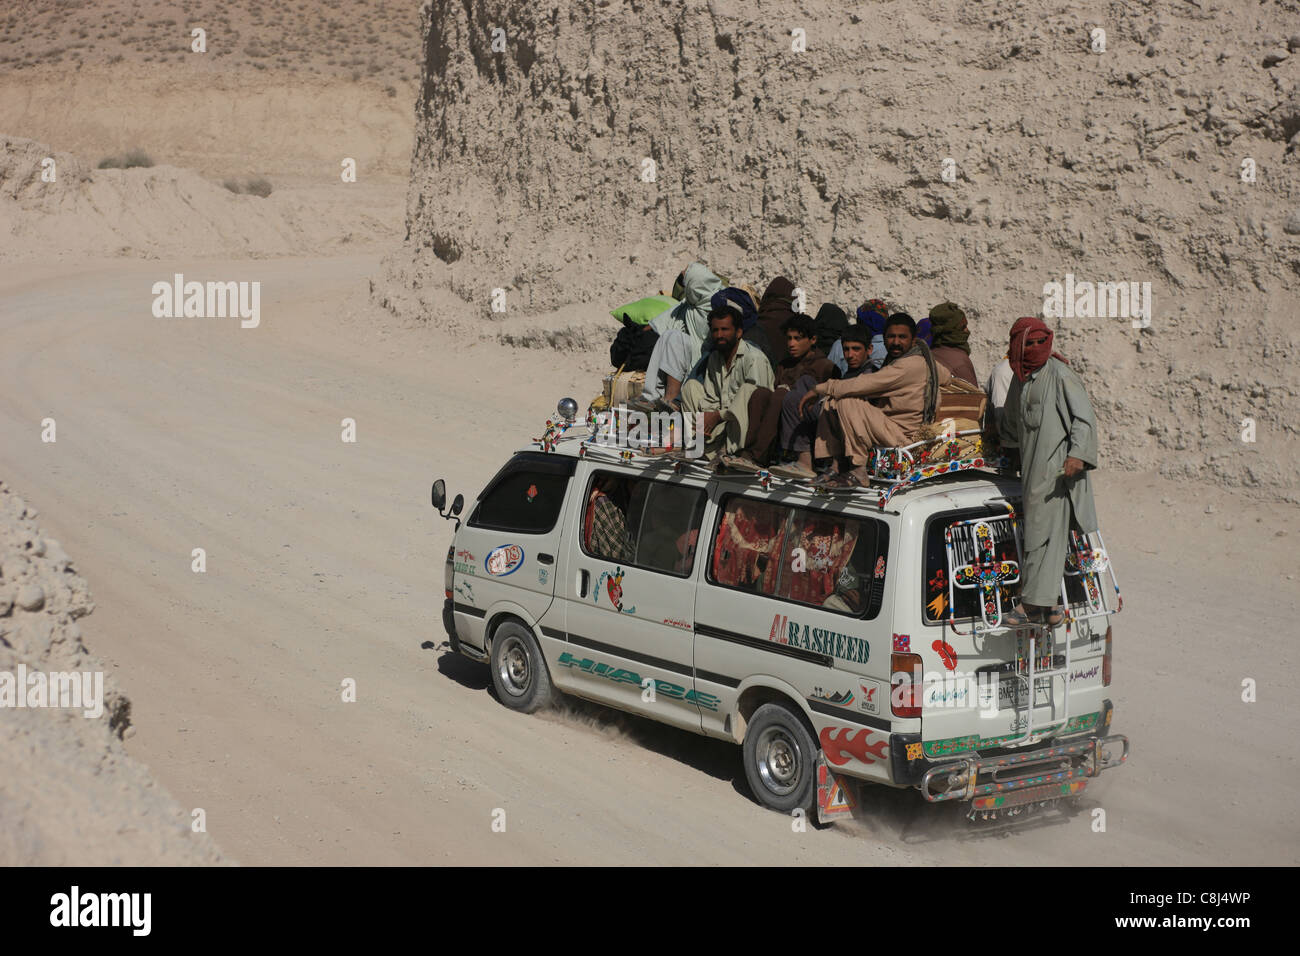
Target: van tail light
448,570
1105,661
905,685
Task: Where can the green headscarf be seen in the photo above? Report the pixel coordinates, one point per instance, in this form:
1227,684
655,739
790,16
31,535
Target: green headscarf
948,323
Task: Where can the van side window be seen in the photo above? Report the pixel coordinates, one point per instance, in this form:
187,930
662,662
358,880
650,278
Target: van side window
825,560
642,522
526,495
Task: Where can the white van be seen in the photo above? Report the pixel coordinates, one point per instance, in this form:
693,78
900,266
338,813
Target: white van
850,635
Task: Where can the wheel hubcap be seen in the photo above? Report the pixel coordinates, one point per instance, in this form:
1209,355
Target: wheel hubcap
513,669
779,761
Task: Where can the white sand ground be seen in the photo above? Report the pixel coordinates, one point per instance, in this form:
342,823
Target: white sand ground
324,562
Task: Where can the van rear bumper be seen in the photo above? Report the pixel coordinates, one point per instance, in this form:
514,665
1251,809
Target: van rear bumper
1025,776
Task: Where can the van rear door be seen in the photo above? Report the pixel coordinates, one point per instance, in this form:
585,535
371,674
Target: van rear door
975,682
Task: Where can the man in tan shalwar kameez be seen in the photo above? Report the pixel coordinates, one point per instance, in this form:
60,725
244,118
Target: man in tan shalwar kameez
733,371
883,409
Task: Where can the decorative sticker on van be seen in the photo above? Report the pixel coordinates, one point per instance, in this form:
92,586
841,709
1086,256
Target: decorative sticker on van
465,563
621,675
880,566
612,583
466,590
946,653
504,560
902,643
938,595
532,493
842,745
840,698
819,640
871,696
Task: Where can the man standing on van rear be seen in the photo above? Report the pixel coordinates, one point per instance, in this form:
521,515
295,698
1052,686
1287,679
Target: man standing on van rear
1049,418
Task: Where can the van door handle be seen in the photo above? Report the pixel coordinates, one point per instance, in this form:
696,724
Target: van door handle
582,583
545,558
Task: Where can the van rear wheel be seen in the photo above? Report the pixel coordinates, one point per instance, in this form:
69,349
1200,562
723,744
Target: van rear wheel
780,758
519,671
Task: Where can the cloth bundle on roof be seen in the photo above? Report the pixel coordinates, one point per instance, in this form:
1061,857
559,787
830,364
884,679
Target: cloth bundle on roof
642,311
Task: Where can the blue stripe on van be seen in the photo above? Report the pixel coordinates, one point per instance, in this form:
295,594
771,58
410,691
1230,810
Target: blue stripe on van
672,666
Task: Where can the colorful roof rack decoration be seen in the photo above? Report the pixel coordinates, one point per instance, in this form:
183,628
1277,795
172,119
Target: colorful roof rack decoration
891,470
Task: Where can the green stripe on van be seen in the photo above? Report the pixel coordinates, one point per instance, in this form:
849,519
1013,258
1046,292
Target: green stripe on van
956,745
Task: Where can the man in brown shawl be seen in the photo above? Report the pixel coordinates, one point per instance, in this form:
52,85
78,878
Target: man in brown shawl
880,410
951,341
774,310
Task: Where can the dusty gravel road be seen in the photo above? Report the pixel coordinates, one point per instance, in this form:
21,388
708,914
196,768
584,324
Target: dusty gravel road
324,562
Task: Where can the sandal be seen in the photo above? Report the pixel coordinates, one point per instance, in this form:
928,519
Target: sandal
845,479
793,470
739,463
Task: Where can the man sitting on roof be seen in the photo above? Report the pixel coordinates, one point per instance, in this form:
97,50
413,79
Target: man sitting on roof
799,418
682,332
880,410
951,344
802,362
733,370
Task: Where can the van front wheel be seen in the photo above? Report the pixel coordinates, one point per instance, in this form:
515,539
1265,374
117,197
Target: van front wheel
519,671
780,758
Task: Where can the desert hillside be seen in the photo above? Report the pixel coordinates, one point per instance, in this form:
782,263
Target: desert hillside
591,149
285,90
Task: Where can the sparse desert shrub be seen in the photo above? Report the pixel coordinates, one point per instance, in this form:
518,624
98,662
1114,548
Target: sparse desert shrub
258,187
233,185
136,157
110,162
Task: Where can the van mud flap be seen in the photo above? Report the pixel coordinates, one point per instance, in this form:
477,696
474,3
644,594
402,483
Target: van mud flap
1019,780
834,793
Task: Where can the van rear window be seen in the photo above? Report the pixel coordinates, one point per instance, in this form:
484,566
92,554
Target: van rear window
820,559
935,594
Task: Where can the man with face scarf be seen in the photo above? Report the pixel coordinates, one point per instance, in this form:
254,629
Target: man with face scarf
682,333
1049,418
951,340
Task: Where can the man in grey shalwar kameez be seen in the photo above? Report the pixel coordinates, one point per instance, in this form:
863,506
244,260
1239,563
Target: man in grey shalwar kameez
1049,418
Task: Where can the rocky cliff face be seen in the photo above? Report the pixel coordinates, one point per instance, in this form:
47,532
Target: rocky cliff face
915,151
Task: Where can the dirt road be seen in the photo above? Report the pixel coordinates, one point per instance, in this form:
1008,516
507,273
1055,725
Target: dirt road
324,562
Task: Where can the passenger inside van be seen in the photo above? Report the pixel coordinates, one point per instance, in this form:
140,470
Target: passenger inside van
604,528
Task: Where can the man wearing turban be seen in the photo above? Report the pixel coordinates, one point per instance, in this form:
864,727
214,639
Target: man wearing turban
1049,418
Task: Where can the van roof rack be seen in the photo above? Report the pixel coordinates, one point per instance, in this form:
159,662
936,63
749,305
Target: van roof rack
891,470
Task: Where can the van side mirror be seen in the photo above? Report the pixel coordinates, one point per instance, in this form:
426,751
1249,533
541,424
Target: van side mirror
439,496
457,504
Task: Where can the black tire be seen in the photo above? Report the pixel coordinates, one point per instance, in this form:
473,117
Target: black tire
519,671
780,758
